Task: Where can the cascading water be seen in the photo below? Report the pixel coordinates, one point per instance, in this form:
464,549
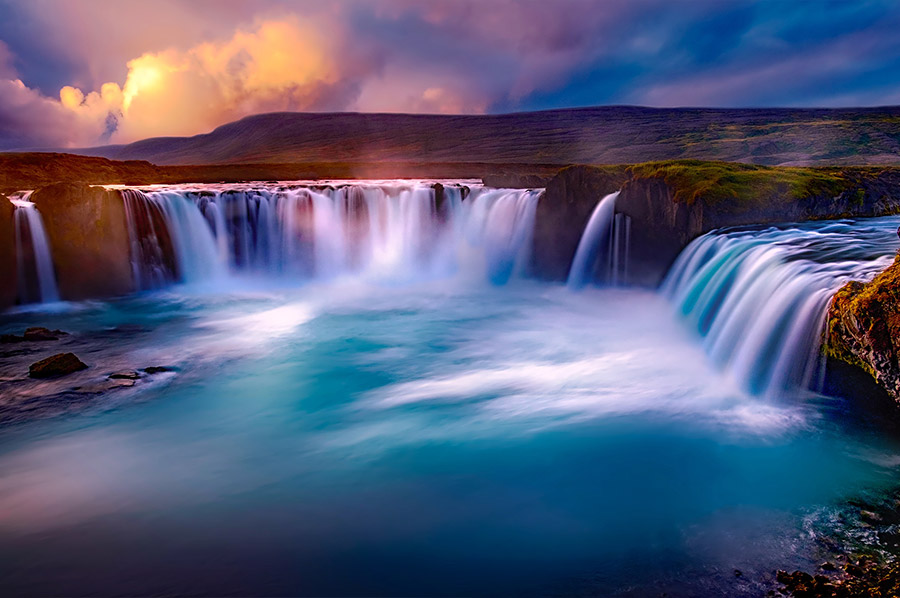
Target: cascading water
604,243
759,296
37,278
378,230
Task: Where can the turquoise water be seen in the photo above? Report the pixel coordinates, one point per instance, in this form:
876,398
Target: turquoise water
442,438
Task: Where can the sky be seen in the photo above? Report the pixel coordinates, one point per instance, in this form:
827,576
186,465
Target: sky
78,73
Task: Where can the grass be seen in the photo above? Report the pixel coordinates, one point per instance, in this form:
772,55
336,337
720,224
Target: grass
717,182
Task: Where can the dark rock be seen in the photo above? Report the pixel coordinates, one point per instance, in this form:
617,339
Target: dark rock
9,289
125,375
870,515
158,369
738,573
827,566
42,334
100,387
55,366
438,197
854,570
33,334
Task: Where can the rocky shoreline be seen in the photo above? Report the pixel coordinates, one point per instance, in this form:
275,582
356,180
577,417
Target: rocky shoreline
42,373
861,555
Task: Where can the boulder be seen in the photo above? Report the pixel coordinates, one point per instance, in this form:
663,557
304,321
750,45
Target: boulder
38,333
88,234
55,366
8,275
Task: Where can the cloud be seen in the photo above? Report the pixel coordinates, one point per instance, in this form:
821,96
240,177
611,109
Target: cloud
285,64
76,73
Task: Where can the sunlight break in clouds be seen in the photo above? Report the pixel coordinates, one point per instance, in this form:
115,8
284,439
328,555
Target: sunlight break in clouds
279,65
284,64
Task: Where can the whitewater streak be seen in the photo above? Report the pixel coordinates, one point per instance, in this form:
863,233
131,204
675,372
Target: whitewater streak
759,296
390,230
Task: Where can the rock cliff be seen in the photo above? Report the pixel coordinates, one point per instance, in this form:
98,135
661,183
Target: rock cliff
562,213
88,235
671,203
8,275
864,327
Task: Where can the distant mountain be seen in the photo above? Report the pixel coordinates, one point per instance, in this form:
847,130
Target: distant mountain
606,135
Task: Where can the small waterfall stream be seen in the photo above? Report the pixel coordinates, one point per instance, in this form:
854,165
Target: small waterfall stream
34,262
603,246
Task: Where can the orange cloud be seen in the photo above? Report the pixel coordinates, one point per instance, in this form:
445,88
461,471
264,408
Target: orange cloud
278,65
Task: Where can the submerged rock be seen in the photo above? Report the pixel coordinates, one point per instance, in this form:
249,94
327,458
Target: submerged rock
36,333
158,369
55,366
125,375
864,327
43,334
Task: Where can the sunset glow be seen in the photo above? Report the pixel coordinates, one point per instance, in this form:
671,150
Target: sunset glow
88,79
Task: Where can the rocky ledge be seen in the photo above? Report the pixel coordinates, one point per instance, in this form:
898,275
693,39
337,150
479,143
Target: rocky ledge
671,203
864,327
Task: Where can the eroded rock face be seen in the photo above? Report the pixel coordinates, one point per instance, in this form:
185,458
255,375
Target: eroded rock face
864,327
562,213
88,235
662,225
8,277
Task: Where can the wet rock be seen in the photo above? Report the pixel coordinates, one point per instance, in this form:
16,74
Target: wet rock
870,516
34,334
103,386
125,375
158,369
42,334
8,290
854,570
88,236
864,328
55,366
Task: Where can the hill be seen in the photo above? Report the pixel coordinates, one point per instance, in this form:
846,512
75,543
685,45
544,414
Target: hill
605,135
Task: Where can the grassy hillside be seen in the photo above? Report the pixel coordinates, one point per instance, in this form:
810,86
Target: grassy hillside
607,135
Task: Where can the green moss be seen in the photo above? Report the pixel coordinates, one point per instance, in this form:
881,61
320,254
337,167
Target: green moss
716,182
864,320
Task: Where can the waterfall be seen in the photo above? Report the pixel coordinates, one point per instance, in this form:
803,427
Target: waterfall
34,262
759,297
385,231
606,229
